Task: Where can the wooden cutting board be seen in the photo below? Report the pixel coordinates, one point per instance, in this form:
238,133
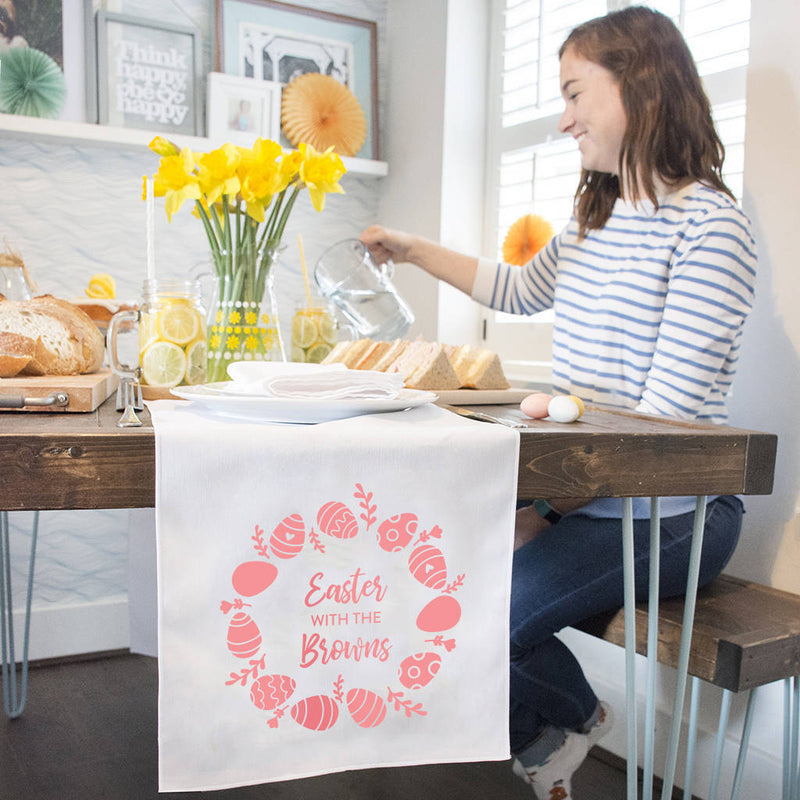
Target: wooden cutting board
86,392
481,397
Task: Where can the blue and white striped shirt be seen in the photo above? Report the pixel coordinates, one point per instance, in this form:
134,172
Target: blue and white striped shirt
648,310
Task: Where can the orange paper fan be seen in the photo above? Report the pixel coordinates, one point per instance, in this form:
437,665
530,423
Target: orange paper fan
525,238
319,110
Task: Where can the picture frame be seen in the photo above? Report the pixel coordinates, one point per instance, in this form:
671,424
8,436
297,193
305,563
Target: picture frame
148,74
239,110
271,40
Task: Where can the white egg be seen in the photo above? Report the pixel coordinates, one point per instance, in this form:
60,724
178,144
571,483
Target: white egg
563,409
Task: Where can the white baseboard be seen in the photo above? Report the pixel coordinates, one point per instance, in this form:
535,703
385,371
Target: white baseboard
72,629
763,770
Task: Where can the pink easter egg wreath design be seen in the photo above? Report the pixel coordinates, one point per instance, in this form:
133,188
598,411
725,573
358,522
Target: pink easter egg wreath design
288,537
337,520
319,711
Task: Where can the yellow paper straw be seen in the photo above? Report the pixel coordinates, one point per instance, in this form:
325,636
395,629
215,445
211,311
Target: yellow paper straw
305,271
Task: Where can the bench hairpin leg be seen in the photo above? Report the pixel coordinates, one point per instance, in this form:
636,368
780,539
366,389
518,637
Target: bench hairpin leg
14,698
791,735
743,745
685,646
652,647
724,713
691,739
629,590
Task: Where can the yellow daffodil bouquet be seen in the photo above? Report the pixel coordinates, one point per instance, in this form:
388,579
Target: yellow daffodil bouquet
243,197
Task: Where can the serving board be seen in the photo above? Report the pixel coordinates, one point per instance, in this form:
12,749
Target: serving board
481,397
86,392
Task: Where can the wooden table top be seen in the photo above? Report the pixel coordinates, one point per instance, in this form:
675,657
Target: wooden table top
54,460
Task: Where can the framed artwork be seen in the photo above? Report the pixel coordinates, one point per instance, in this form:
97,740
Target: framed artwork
38,25
148,74
273,41
239,110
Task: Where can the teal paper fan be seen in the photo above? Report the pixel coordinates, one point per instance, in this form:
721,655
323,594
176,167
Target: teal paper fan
31,83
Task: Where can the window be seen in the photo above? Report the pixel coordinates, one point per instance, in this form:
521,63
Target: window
535,169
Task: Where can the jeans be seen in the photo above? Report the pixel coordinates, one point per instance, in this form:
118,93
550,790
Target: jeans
573,570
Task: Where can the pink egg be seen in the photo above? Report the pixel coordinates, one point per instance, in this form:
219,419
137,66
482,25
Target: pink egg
270,691
366,708
337,520
253,577
419,670
244,637
397,532
427,565
288,537
441,614
317,713
535,405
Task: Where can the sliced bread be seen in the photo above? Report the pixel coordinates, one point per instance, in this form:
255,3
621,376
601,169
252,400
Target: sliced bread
478,368
16,351
430,369
81,326
67,343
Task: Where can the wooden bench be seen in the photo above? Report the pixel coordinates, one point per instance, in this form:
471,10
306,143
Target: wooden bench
745,635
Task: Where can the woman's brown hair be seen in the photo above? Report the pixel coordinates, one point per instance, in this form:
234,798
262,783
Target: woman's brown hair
670,132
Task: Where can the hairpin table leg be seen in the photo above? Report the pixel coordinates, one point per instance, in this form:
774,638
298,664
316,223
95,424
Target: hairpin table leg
14,697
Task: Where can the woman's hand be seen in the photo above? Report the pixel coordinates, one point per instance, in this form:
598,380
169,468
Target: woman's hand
385,244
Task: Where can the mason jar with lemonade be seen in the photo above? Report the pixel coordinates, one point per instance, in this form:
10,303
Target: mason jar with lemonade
172,335
314,331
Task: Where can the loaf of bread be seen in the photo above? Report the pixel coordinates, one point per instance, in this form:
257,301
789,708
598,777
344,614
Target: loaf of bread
425,365
65,341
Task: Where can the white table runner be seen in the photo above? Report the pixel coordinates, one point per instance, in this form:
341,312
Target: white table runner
331,596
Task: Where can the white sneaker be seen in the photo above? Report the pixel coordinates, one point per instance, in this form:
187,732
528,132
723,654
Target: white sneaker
603,725
553,779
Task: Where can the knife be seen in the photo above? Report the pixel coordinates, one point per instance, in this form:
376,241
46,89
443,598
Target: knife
483,417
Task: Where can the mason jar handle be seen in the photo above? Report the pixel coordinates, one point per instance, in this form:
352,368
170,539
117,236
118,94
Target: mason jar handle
123,370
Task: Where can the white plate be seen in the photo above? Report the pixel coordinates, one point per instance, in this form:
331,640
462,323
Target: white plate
215,399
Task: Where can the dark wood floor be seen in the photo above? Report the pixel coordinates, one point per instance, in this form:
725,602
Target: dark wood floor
89,732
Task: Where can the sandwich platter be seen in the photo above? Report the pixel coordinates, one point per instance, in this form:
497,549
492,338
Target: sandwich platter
215,399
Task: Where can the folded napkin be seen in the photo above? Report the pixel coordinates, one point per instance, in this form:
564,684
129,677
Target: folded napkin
331,597
349,383
311,381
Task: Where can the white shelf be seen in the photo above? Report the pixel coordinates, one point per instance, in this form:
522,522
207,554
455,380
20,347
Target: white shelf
82,133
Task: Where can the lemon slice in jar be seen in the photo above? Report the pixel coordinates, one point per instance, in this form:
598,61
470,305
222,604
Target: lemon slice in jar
163,364
298,354
196,363
328,329
315,354
178,323
304,330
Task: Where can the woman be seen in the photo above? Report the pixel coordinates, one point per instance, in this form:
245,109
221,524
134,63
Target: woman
651,281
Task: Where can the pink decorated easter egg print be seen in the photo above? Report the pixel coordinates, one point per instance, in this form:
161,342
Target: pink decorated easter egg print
337,520
366,708
441,614
419,670
397,532
244,637
427,565
253,577
288,537
317,713
270,691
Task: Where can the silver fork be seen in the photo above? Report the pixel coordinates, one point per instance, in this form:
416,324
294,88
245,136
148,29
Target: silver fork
129,397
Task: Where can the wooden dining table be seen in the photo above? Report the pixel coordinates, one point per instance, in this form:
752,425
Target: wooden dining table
59,460
53,460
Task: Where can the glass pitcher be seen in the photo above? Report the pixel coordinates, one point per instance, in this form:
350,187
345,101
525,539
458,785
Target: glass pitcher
346,274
